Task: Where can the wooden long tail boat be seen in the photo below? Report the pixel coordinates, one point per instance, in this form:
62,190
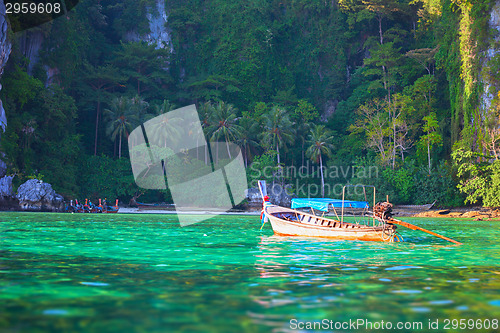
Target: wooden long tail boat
415,207
293,222
110,210
155,206
290,222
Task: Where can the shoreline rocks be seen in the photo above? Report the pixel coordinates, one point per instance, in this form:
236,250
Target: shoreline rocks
477,214
8,200
35,195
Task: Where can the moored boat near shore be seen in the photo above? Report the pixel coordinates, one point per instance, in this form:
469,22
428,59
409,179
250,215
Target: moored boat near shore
88,207
155,206
379,226
289,222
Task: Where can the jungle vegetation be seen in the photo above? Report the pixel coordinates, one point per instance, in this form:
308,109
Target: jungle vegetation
342,84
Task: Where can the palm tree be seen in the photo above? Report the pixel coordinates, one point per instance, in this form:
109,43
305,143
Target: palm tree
278,129
122,118
97,81
166,127
160,109
303,130
249,128
205,110
320,141
140,107
224,125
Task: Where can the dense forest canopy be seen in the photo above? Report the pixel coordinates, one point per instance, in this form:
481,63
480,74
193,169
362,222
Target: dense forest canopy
337,87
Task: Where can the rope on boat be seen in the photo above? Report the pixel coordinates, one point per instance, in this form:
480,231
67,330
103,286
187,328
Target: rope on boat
389,232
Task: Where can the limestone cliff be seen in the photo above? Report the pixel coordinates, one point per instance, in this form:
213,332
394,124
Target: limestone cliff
492,51
5,48
159,33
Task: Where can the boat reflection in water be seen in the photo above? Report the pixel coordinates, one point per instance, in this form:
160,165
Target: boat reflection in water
300,275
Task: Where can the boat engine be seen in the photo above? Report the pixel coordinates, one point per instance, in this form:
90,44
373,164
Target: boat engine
383,210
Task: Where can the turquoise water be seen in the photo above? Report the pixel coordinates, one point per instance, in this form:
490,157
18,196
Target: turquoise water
144,273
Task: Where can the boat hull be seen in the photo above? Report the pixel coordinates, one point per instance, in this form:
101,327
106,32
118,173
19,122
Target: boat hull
307,225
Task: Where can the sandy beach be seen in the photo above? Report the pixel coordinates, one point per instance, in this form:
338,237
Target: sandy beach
126,210
476,213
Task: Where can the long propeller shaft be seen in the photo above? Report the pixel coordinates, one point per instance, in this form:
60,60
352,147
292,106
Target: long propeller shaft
414,227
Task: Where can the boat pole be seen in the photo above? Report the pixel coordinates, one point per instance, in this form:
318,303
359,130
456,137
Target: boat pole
263,193
414,227
382,211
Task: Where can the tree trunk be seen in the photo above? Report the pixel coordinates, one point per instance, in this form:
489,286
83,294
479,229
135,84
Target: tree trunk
322,178
429,155
303,143
97,125
206,153
244,152
381,35
227,146
120,148
246,156
493,145
278,151
217,153
393,144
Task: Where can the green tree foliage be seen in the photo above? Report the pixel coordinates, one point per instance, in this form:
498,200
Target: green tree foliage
382,65
96,82
247,140
168,128
263,167
278,130
103,177
122,116
213,87
431,137
386,127
320,142
41,133
479,181
223,125
436,186
145,66
392,82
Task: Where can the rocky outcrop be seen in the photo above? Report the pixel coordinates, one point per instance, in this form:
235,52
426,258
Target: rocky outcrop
3,165
159,33
35,195
328,110
481,214
5,47
8,200
30,43
277,195
491,52
6,187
